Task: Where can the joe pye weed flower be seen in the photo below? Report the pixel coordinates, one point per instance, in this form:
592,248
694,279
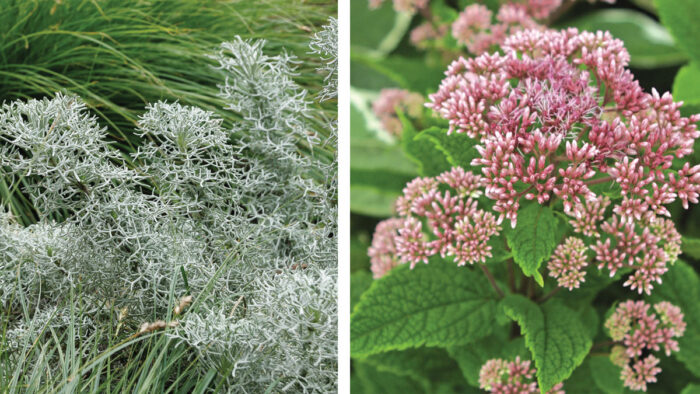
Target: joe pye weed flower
559,125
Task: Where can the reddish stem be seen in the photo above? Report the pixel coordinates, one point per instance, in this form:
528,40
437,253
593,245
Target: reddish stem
603,344
549,295
600,180
489,276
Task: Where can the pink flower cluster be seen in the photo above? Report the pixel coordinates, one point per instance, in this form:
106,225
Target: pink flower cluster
640,333
514,377
446,205
557,113
382,253
410,103
422,34
575,112
646,246
568,263
402,5
474,28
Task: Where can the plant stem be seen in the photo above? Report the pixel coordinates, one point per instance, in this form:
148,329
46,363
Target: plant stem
530,288
489,276
601,180
603,344
511,276
549,295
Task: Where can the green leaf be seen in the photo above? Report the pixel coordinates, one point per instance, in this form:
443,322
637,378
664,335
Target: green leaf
554,334
595,282
581,380
473,356
686,87
458,148
436,304
647,5
649,43
373,156
606,375
372,381
681,18
431,160
408,73
691,247
681,287
364,76
371,201
692,388
376,31
426,365
533,239
360,281
386,180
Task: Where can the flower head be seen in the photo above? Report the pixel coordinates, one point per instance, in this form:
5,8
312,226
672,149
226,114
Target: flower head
382,253
568,263
641,331
514,377
438,215
385,107
574,117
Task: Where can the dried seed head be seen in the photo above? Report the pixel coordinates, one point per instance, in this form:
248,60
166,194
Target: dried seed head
183,303
123,313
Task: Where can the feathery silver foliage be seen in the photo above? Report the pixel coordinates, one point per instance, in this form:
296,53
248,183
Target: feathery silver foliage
240,219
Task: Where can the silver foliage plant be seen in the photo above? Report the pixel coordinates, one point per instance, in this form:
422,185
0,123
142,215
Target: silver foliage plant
325,45
239,218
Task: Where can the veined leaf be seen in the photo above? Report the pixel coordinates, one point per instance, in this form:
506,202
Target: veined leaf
438,304
533,239
431,160
458,148
557,339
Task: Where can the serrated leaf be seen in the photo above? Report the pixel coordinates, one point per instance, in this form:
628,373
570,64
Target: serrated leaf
691,247
554,334
458,148
533,239
438,304
681,287
648,42
681,18
430,160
